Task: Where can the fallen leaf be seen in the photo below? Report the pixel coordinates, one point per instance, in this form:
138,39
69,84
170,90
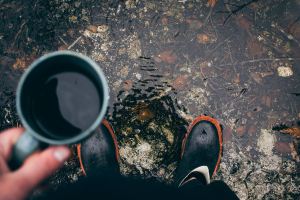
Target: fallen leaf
167,57
265,74
256,76
295,151
244,23
20,63
236,79
227,134
194,23
266,100
164,21
252,130
293,131
203,38
212,3
295,31
92,28
283,147
255,49
127,85
241,130
180,82
62,47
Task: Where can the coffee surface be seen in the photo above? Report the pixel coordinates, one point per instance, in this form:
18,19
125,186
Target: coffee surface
66,104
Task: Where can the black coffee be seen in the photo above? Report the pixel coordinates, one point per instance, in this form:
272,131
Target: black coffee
65,104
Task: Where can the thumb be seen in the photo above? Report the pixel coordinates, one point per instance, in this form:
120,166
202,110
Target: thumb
40,166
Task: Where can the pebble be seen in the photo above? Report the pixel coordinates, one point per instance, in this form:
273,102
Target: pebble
284,71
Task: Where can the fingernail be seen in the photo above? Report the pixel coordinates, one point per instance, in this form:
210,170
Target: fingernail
61,154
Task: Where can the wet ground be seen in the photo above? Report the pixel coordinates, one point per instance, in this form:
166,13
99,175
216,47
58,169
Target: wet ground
167,62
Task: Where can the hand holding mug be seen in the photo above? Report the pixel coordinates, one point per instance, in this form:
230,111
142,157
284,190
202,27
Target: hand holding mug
61,99
18,184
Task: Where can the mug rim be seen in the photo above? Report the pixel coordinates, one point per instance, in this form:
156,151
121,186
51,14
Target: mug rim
97,121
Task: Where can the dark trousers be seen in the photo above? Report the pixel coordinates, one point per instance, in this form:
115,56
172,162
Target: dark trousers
117,187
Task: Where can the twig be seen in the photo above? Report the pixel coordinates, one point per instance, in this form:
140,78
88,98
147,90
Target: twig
238,9
63,41
75,42
260,60
18,33
288,36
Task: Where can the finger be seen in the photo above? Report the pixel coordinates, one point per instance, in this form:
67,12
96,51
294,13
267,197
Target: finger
40,166
3,166
7,140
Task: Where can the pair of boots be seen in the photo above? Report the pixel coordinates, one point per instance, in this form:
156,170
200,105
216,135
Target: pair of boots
200,154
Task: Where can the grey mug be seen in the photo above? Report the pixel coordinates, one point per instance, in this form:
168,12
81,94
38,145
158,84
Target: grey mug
33,139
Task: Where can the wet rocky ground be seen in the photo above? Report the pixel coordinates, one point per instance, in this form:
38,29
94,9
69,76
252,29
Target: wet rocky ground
167,62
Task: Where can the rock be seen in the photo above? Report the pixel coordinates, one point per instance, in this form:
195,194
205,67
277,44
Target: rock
266,142
102,28
168,134
284,71
73,18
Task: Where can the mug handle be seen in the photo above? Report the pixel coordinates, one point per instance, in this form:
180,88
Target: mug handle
24,147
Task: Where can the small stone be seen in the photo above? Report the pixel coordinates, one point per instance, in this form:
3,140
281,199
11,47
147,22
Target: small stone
168,134
73,19
284,71
138,76
102,28
104,47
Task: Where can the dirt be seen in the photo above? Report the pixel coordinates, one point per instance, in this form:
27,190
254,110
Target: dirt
234,61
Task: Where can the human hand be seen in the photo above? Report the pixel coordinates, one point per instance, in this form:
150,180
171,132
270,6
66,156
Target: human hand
17,185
